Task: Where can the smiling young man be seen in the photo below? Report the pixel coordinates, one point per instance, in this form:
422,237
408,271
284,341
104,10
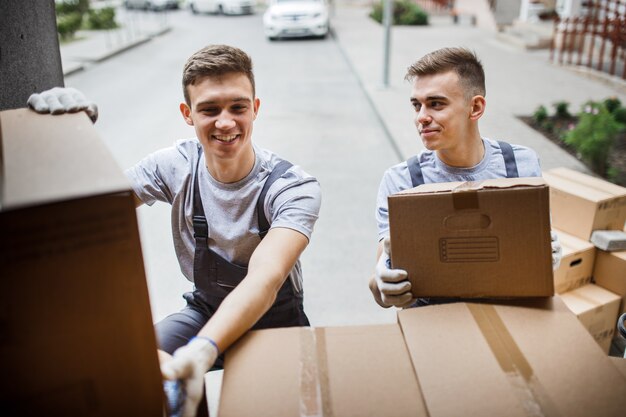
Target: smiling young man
241,216
448,96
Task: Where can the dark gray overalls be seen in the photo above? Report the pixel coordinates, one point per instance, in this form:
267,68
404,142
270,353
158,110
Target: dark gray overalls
215,278
418,179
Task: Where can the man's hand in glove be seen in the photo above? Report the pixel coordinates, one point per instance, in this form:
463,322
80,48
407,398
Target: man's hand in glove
557,252
390,287
189,365
59,100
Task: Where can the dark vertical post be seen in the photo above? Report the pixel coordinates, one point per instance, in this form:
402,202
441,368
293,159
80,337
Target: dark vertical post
30,59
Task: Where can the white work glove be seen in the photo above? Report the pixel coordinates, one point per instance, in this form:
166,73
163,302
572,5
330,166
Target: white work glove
189,365
557,251
59,100
392,286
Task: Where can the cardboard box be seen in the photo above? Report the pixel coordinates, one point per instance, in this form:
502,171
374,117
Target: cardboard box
76,326
597,309
484,239
340,371
610,273
620,364
581,203
576,268
521,359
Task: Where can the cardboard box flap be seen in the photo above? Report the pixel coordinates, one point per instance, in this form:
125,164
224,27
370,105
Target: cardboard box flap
588,297
460,186
302,371
589,181
36,169
514,360
578,189
571,244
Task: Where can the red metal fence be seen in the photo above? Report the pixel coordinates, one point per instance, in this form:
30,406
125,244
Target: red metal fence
596,40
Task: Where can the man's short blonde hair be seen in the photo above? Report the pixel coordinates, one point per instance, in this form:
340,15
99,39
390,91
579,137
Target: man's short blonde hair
462,61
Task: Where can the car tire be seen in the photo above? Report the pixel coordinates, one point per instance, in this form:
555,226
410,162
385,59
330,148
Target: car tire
272,38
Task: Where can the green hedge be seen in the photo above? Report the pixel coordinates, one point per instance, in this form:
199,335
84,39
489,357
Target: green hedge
103,18
405,12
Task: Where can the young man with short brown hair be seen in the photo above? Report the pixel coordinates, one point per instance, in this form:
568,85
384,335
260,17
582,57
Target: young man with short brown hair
448,96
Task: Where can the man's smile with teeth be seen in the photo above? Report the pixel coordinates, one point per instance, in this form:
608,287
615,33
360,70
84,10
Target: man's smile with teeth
225,138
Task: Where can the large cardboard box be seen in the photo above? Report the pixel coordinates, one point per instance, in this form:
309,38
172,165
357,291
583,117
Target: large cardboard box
76,328
334,371
620,364
519,359
581,203
576,268
610,273
597,309
483,239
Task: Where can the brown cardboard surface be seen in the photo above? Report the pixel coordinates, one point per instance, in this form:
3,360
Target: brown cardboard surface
610,273
576,268
485,239
620,364
77,335
334,371
581,203
597,309
520,359
50,158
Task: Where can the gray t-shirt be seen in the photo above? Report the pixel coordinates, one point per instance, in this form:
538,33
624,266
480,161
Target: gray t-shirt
397,178
293,202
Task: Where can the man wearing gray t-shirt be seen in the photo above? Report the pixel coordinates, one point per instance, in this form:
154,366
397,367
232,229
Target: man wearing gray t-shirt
241,217
448,97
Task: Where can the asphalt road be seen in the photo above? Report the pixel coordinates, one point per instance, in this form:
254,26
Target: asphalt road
313,112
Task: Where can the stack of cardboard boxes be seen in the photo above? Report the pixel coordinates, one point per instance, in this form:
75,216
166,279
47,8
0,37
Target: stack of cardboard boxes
521,357
591,282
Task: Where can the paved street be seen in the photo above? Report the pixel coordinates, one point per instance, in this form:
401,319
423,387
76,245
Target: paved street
313,112
323,107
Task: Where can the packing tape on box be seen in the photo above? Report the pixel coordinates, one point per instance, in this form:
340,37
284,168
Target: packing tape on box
526,387
465,196
314,391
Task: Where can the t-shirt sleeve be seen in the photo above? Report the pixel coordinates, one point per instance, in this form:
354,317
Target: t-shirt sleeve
390,184
152,178
294,202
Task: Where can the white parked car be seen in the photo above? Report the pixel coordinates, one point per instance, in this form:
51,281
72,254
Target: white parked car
223,6
296,18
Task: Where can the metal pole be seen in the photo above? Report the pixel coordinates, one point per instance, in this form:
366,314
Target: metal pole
387,17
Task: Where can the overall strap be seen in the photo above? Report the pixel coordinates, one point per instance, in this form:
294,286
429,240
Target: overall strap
416,171
202,256
509,160
277,172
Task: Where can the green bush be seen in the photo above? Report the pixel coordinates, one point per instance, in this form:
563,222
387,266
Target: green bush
594,135
540,114
68,24
561,110
619,115
103,18
71,6
405,12
612,104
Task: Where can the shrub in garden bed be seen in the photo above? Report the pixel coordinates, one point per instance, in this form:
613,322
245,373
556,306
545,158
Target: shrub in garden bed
596,134
405,12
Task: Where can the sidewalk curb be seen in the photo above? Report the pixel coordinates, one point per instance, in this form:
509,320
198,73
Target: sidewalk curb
81,67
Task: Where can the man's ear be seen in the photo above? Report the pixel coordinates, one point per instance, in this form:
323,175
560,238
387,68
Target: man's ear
256,104
185,110
477,109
